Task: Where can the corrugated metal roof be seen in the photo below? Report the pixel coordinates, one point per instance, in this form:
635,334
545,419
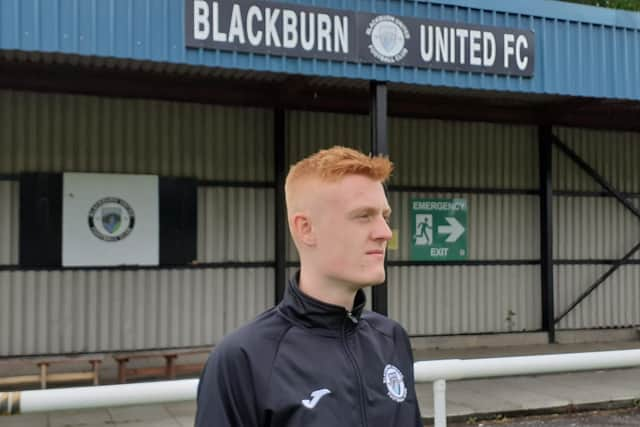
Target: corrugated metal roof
553,10
581,51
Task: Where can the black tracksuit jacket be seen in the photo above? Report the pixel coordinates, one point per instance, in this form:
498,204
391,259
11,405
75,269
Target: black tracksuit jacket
311,364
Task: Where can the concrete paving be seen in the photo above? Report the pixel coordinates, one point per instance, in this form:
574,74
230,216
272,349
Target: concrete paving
167,415
620,417
465,399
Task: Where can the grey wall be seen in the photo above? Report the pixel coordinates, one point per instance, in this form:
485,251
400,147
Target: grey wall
596,228
102,310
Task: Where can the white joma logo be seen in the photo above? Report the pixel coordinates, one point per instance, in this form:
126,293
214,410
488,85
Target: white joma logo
315,398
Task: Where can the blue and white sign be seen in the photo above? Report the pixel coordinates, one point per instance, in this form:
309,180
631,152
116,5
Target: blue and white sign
296,30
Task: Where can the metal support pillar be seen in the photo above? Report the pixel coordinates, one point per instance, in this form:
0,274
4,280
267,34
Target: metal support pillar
280,210
546,229
378,115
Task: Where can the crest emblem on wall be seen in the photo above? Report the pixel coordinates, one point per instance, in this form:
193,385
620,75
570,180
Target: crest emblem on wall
111,219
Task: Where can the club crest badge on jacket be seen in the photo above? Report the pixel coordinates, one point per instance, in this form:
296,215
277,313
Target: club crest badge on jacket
394,380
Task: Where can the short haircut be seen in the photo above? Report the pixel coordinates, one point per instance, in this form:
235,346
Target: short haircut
334,163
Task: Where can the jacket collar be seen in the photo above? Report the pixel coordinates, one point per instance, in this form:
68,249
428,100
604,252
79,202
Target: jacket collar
313,313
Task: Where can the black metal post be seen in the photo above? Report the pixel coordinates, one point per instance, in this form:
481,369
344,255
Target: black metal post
280,211
378,115
546,229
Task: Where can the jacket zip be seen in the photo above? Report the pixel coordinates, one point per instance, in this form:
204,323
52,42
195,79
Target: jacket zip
363,412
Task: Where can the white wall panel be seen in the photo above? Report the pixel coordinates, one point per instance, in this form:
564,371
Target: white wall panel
588,228
614,155
76,311
235,224
615,303
308,132
593,228
443,300
48,132
463,154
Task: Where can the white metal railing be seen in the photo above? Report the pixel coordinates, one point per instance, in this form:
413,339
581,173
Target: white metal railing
105,396
439,371
436,371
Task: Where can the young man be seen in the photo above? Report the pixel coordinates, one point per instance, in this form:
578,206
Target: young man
318,358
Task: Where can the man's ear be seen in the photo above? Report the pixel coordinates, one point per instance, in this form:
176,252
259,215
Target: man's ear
303,229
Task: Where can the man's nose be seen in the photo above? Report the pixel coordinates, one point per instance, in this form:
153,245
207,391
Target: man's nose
382,230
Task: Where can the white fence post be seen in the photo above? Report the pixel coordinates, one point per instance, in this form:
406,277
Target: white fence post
439,403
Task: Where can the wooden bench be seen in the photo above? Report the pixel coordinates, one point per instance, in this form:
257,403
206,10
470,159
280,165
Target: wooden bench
44,376
169,370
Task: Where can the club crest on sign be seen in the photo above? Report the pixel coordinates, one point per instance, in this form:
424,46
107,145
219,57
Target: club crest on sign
111,219
388,36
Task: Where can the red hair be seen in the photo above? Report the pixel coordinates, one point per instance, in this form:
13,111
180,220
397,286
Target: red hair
334,163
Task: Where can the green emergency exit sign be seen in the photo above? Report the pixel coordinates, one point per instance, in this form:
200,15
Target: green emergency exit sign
439,229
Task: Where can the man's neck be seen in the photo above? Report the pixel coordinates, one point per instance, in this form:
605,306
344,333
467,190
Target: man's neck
326,290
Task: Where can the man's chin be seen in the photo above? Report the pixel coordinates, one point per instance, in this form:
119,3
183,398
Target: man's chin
374,280
378,282
363,280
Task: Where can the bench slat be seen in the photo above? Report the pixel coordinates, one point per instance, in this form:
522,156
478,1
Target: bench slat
69,376
171,367
149,371
192,368
42,364
68,359
159,353
20,379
